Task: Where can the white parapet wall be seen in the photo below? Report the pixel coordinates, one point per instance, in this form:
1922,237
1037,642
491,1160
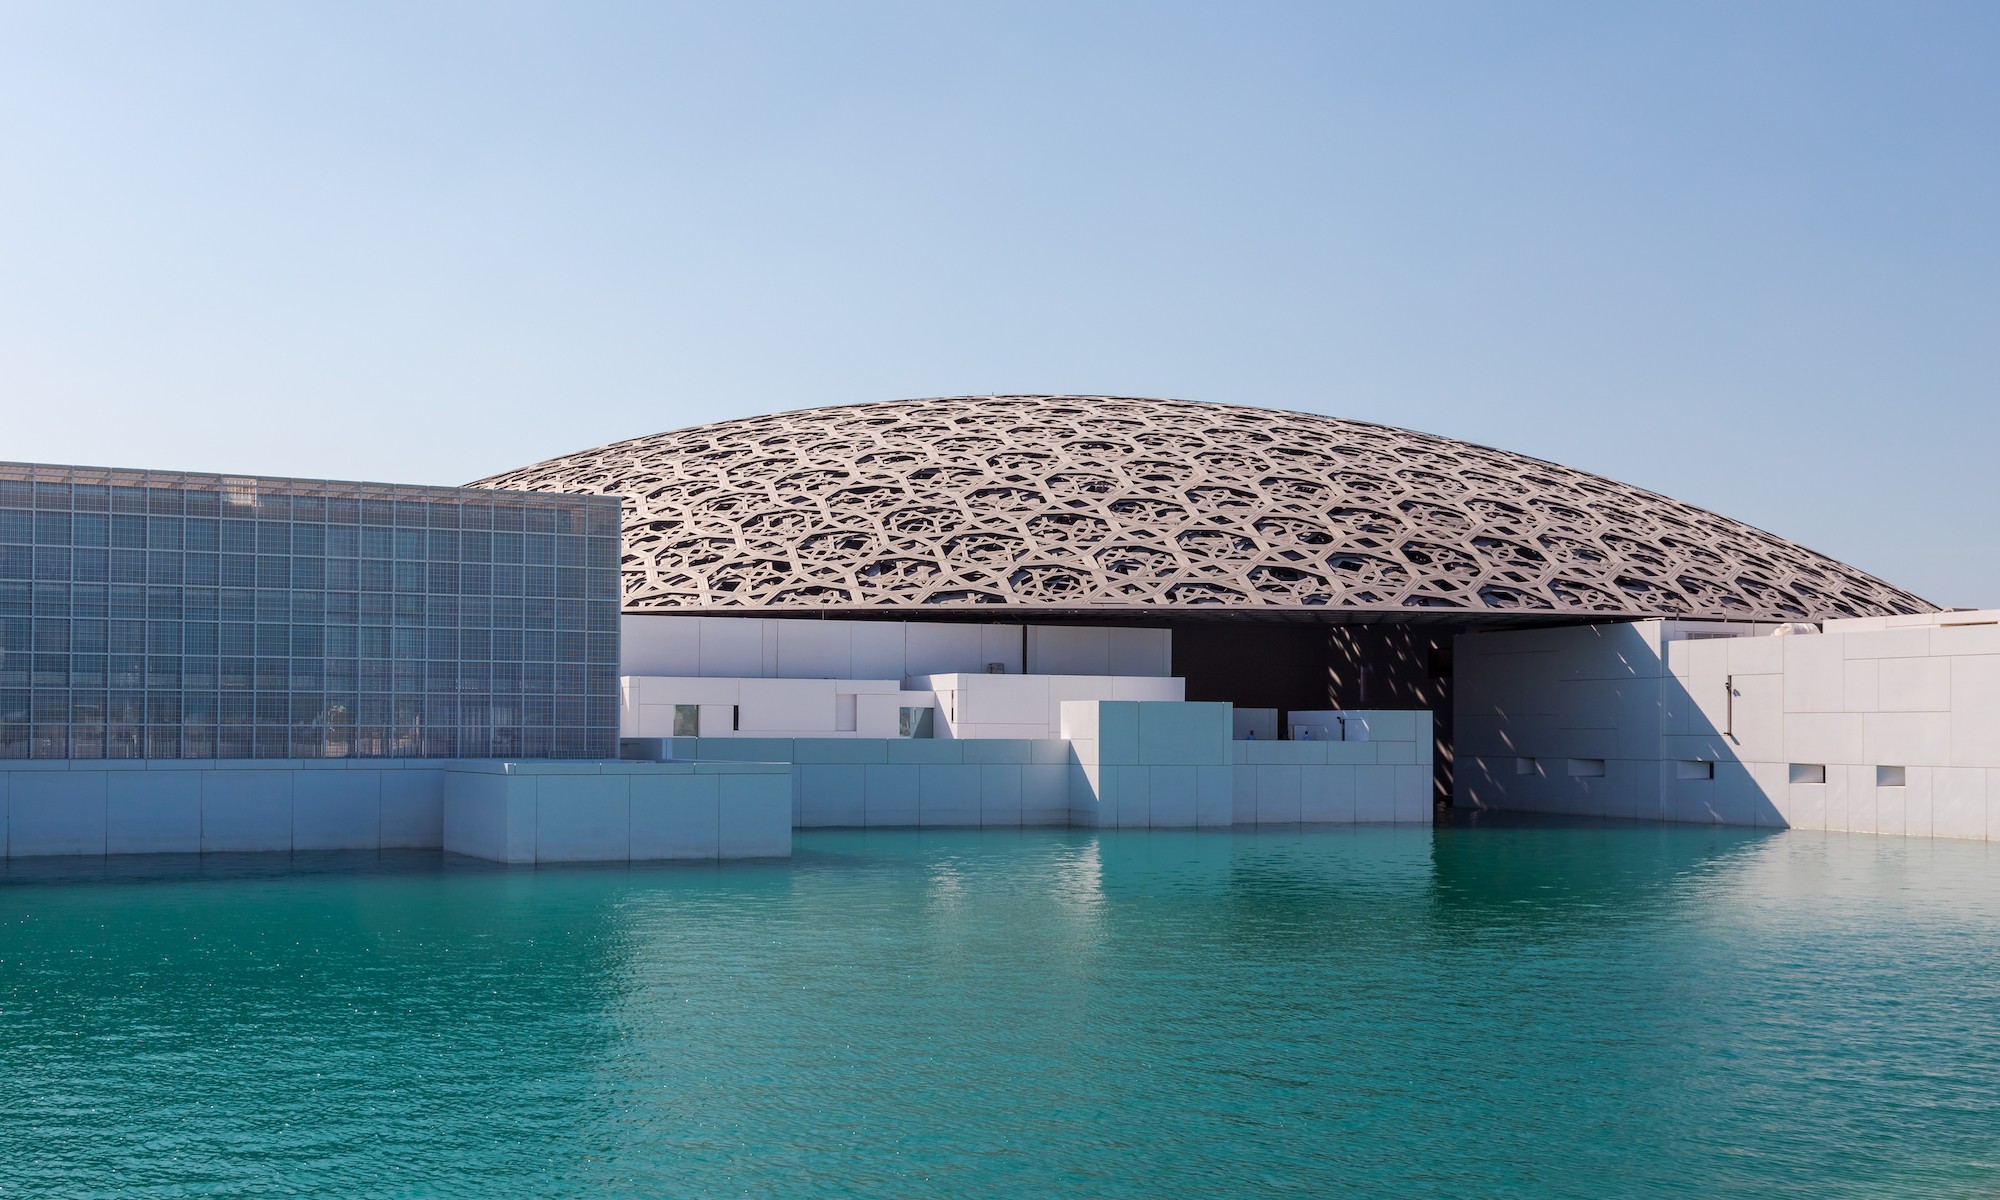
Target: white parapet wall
861,782
953,705
1381,772
1142,765
654,706
1879,725
805,648
1029,706
547,812
1126,764
1173,765
181,806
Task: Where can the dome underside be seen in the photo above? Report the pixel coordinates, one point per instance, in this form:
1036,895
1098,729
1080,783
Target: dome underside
1099,502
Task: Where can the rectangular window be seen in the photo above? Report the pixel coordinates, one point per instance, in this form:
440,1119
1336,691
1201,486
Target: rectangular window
915,722
1808,773
1889,776
1586,768
687,720
1694,769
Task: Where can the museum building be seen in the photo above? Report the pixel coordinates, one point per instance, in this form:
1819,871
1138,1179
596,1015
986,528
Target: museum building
974,611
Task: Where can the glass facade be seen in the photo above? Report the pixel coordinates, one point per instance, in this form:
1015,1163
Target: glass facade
160,615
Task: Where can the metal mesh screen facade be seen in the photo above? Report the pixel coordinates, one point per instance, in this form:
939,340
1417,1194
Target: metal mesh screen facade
1094,503
160,615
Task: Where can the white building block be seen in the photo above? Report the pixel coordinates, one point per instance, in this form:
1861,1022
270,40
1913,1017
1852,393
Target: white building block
1326,795
1280,794
1045,793
676,817
793,706
1977,636
944,649
1889,643
1172,797
832,795
1757,655
152,811
1863,689
1263,722
948,794
583,818
247,808
892,797
1975,711
1815,673
412,806
1891,810
1415,803
489,813
1914,684
336,809
659,645
877,650
715,720
730,646
1215,802
1000,794
1959,802
815,649
756,815
56,812
1918,801
1902,738
1822,737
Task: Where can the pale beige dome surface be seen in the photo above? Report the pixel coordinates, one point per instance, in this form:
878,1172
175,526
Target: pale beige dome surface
1112,503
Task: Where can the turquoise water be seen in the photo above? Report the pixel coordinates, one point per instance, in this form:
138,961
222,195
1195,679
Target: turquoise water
1520,1010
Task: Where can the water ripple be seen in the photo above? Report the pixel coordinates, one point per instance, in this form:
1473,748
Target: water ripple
1523,1009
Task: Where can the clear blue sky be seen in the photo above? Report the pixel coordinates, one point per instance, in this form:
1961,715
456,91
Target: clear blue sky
1744,254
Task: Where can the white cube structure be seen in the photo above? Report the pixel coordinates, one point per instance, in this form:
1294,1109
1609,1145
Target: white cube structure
1886,725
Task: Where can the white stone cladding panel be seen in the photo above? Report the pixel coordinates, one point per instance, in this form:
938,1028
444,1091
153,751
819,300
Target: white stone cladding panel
1856,704
578,809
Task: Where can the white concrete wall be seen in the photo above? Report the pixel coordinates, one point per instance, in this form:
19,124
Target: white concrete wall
1570,720
788,648
543,812
192,806
852,782
803,648
1382,777
1124,764
1689,726
759,707
1141,765
1029,706
1099,650
1260,722
288,805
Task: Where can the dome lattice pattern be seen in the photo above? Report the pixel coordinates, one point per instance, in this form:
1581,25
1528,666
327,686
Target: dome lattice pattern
1070,502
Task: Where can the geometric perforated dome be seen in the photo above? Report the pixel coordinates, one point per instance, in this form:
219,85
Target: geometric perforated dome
1106,503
